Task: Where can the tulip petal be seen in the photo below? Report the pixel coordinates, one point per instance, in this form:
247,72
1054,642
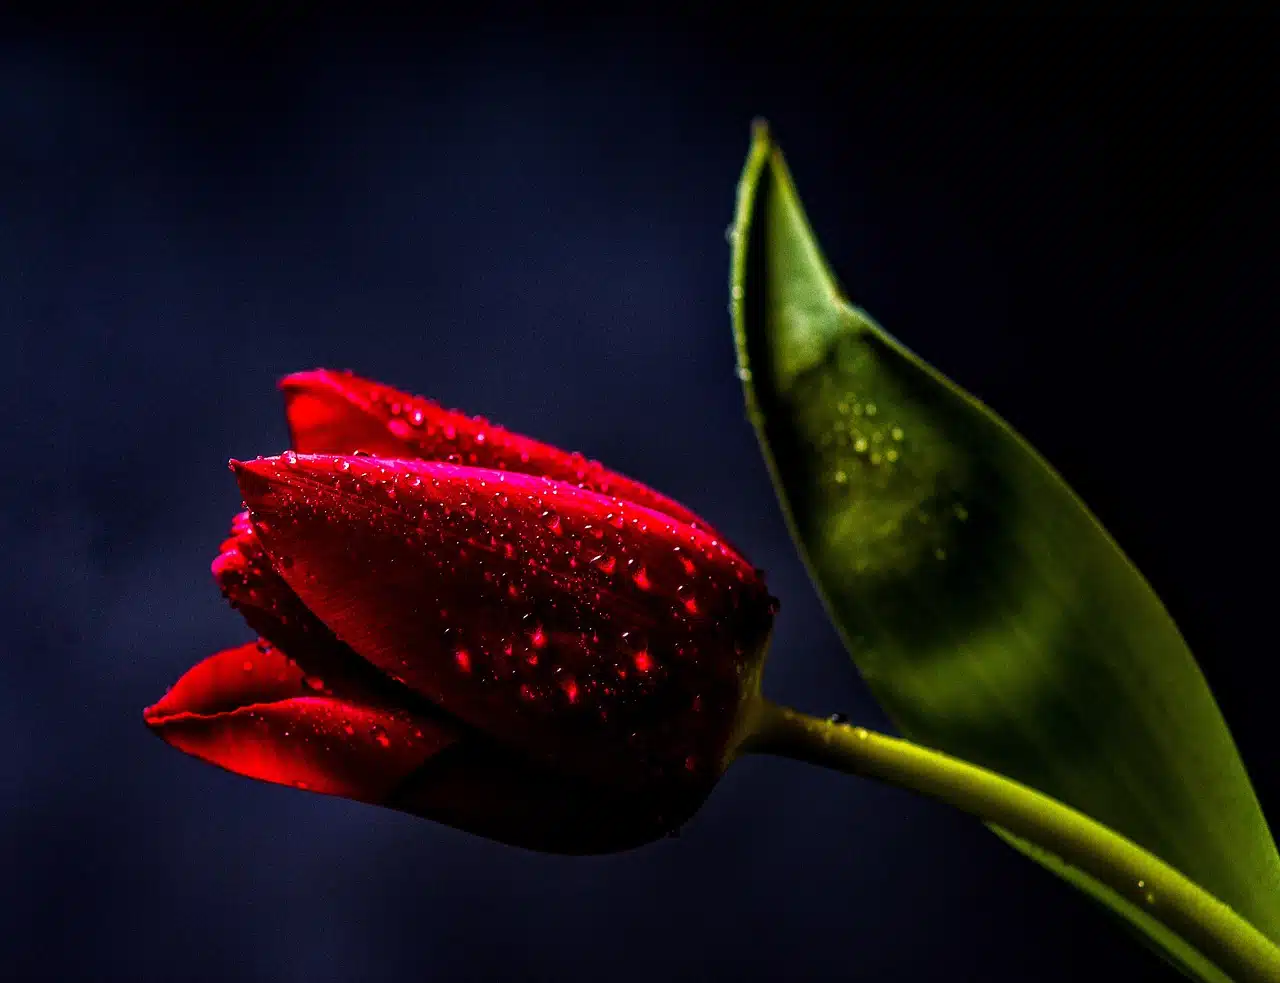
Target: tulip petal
339,413
250,710
247,578
598,634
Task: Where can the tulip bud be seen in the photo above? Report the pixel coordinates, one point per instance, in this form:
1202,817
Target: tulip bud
525,658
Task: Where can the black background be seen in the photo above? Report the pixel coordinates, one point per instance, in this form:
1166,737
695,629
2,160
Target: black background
523,216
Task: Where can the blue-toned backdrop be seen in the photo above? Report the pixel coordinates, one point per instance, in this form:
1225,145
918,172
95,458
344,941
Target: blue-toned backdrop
525,218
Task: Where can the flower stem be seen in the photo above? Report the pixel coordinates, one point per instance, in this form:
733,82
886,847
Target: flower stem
1207,924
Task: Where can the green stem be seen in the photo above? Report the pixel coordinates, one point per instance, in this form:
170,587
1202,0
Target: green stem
1211,927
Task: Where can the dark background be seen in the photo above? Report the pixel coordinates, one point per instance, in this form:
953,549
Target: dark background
525,217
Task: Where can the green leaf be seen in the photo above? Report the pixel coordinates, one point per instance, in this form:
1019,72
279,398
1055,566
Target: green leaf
988,610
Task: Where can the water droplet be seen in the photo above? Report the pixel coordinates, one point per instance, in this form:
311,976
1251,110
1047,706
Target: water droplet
736,292
641,579
247,666
842,478
538,638
891,455
344,465
463,658
380,736
744,373
643,661
896,433
839,718
314,682
286,562
416,418
690,601
871,409
861,733
570,687
860,445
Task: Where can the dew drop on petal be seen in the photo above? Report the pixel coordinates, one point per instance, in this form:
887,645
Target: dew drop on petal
687,598
380,736
463,658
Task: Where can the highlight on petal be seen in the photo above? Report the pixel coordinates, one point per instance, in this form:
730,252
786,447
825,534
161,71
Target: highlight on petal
340,413
252,711
599,635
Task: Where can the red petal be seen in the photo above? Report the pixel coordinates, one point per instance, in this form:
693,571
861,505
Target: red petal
600,635
339,413
248,580
249,710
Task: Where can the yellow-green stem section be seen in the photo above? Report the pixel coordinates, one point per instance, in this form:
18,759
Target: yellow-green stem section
1208,925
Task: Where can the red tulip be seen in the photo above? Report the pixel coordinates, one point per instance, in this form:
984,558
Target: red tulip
503,637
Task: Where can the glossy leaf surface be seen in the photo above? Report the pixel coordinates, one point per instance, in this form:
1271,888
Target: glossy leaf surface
989,611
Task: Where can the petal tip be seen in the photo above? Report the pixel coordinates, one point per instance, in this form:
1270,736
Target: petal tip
255,477
296,382
155,715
